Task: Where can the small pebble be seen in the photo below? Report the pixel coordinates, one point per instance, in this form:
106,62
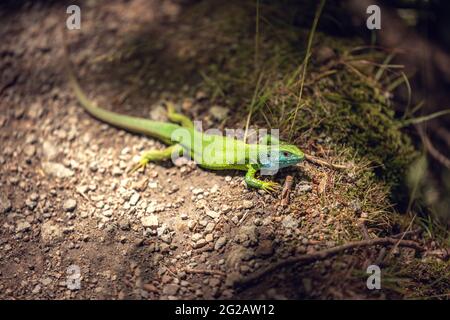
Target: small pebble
70,205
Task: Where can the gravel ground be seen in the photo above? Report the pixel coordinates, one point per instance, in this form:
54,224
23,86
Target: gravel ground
70,214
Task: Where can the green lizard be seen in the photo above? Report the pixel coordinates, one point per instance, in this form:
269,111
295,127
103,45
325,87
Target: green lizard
215,152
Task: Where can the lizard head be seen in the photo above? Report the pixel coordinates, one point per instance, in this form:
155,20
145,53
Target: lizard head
284,155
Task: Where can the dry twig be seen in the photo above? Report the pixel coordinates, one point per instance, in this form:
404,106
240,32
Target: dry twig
204,271
286,191
325,254
323,163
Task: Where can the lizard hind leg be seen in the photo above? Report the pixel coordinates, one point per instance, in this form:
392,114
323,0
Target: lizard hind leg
157,155
178,117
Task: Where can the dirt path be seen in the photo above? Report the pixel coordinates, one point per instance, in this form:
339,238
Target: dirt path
70,214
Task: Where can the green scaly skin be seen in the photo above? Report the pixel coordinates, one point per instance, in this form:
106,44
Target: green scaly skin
223,153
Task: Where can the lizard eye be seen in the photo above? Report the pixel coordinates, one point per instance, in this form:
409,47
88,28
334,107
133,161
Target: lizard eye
286,154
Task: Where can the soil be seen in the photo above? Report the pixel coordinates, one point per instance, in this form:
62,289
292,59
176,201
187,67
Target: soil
76,225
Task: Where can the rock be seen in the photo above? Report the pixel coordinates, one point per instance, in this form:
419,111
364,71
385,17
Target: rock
31,139
29,150
46,281
150,221
180,161
165,279
166,237
237,255
99,290
209,237
69,205
116,171
196,236
23,226
5,204
51,232
18,112
107,213
124,225
289,222
140,185
258,222
214,282
36,289
57,170
149,287
210,227
265,248
153,185
197,191
304,187
35,110
158,113
232,278
212,214
30,204
220,243
184,216
49,150
34,196
199,244
2,120
247,236
247,204
225,208
184,283
191,224
134,199
199,293
171,289
219,113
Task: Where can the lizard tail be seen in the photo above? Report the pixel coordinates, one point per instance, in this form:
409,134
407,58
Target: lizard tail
156,129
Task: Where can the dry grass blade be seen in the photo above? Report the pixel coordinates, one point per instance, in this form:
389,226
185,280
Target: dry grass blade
305,64
325,163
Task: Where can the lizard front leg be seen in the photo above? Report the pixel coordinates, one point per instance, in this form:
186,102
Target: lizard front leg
251,181
157,155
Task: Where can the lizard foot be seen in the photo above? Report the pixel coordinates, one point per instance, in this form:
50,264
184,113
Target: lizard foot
141,164
270,186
